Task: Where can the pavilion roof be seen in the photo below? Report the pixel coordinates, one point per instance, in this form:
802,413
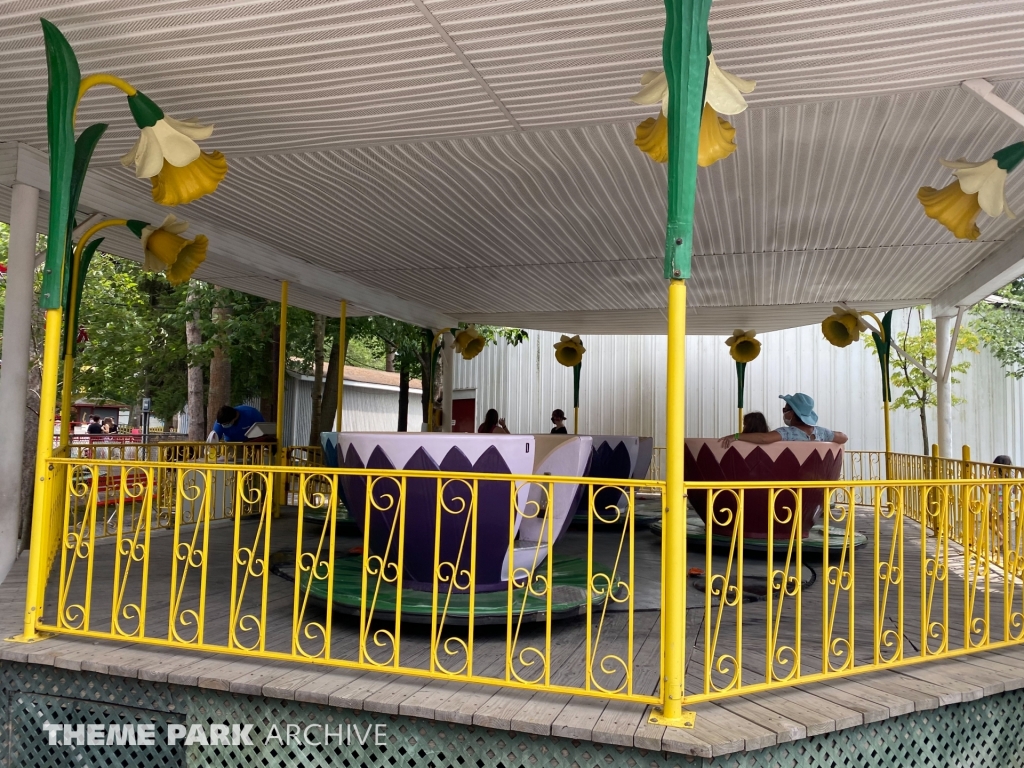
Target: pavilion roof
473,160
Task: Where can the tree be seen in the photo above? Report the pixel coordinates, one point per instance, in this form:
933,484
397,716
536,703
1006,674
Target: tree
919,391
999,323
196,380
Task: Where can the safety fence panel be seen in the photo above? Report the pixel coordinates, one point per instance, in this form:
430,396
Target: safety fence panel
804,583
451,575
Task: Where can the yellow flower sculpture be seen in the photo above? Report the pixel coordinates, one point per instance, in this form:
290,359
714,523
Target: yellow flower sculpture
978,187
167,154
716,138
569,351
166,250
843,327
469,343
652,137
724,94
743,347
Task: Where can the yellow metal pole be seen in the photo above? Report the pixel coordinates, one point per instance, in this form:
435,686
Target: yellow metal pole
740,422
342,331
576,420
35,588
282,360
675,507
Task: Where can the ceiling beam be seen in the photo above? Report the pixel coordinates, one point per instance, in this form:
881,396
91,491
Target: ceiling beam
983,90
1004,264
24,164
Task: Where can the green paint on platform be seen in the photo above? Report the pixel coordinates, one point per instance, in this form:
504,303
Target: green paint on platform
568,597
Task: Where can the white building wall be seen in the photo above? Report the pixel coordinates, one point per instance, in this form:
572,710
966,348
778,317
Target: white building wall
366,408
623,389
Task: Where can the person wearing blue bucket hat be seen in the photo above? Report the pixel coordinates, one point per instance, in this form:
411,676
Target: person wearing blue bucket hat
801,424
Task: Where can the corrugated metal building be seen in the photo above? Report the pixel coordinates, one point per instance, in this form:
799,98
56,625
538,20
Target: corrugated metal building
623,389
370,403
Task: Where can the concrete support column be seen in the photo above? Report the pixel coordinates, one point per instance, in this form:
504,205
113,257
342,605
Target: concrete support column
447,381
944,395
14,377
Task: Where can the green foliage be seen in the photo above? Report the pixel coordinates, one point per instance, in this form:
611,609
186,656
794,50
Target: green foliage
134,346
918,390
1001,326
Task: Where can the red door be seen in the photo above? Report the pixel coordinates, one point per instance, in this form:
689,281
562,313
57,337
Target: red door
464,414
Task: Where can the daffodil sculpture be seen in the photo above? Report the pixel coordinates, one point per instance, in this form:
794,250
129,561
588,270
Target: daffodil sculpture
977,187
722,94
569,352
844,326
743,348
166,153
469,343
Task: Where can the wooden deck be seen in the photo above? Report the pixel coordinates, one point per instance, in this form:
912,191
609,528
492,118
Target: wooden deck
742,723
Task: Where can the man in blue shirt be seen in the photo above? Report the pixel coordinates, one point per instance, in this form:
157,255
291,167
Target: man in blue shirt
233,423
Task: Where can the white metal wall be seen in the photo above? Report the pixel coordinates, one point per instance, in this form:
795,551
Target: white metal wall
366,409
623,389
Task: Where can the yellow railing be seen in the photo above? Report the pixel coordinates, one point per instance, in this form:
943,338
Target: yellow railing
886,591
259,587
849,577
122,487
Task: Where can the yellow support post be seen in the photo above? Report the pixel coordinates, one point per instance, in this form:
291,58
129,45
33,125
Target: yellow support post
685,53
38,551
674,531
740,422
342,338
282,361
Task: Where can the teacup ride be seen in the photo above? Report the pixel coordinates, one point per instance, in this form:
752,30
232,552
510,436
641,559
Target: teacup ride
706,461
617,457
442,528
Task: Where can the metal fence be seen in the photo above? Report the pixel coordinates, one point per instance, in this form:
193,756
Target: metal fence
846,577
259,586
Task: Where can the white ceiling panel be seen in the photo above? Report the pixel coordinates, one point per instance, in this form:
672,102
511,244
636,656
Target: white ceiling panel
477,156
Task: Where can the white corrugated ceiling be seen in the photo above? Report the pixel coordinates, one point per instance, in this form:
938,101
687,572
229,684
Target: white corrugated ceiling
477,157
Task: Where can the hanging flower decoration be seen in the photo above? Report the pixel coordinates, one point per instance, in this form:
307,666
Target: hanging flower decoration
469,343
978,187
166,153
165,250
569,351
843,327
723,94
743,347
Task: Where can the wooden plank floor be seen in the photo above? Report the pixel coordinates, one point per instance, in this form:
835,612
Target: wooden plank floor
744,722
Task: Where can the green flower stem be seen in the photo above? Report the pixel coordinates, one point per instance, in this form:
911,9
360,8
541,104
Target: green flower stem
741,375
685,53
61,97
1009,157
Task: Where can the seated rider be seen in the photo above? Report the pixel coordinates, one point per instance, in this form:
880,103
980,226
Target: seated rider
801,424
754,423
234,422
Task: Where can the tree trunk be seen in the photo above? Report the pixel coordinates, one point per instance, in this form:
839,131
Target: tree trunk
389,358
924,430
403,397
316,394
193,339
220,367
329,400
